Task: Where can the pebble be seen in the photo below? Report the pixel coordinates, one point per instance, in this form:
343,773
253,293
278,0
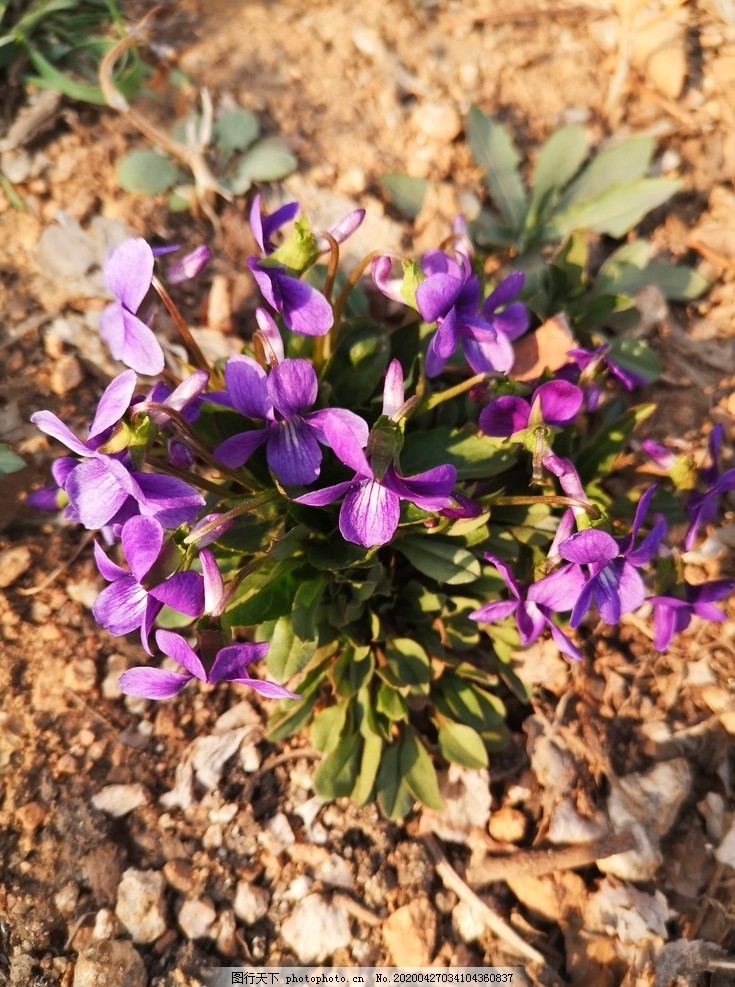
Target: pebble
105,924
80,675
179,874
251,902
140,904
196,918
116,665
30,816
227,934
119,800
507,825
66,898
468,922
316,929
440,121
106,963
410,933
13,563
277,834
66,374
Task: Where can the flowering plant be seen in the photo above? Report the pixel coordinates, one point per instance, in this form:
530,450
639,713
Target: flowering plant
375,508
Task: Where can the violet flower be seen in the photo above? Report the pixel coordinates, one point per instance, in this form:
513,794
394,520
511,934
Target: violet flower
371,509
614,584
555,403
136,595
230,665
128,272
189,266
263,226
450,296
292,433
532,605
304,309
702,507
673,614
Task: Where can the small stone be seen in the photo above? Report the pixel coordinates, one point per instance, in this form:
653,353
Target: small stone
251,902
105,963
30,816
227,944
507,825
80,675
277,834
410,933
13,563
140,904
119,800
440,121
468,922
196,918
105,924
116,665
316,929
335,871
66,375
179,874
66,898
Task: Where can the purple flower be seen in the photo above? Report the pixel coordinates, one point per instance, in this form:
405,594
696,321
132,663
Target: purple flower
183,399
371,510
304,309
673,614
264,226
136,595
591,359
532,605
292,433
230,664
450,296
189,266
128,273
555,403
702,507
614,584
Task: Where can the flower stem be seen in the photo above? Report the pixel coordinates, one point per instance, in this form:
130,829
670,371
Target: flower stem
251,504
189,341
554,500
452,392
355,274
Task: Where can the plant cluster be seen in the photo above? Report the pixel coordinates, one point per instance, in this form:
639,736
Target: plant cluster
374,506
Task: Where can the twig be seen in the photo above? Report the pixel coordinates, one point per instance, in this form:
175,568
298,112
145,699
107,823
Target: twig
713,256
536,863
498,926
205,182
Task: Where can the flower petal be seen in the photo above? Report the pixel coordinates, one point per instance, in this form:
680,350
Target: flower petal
130,340
436,295
505,416
559,590
589,546
142,541
507,289
120,607
430,490
107,569
369,514
48,423
393,398
487,352
128,272
247,387
496,610
236,450
292,387
183,592
231,661
327,495
560,401
114,402
293,453
181,651
264,687
98,488
152,683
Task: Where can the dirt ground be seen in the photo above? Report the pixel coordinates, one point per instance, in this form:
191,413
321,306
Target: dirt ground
176,825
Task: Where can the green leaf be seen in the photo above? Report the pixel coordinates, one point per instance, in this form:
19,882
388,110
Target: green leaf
408,663
353,670
337,774
306,602
487,231
599,452
390,704
474,456
287,654
493,149
616,210
265,594
394,799
236,129
558,162
462,744
419,773
267,161
624,162
405,192
372,750
439,558
327,726
9,462
359,361
635,355
629,269
144,172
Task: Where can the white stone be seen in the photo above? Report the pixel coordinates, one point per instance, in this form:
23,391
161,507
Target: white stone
140,904
66,374
316,929
106,963
119,800
468,922
439,121
105,925
277,834
335,871
567,826
196,918
251,902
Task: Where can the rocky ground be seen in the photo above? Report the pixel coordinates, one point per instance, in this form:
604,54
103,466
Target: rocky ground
156,840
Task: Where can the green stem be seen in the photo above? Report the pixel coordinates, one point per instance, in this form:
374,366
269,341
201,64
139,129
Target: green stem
554,500
355,274
251,504
195,481
333,264
452,392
